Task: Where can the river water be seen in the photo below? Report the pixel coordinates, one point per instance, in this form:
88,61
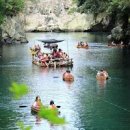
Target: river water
85,104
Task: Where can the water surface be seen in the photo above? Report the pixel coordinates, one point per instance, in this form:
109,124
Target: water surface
86,104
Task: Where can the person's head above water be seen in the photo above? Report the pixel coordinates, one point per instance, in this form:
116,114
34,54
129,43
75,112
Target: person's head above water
60,50
68,71
51,102
37,98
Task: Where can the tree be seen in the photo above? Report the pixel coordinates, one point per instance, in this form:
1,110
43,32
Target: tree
117,9
10,8
92,6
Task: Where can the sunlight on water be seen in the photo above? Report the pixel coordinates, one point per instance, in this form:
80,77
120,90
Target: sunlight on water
86,104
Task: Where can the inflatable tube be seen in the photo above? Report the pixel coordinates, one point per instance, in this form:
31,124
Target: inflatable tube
86,47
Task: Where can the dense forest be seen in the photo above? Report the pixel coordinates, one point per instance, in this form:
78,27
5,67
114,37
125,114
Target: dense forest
118,10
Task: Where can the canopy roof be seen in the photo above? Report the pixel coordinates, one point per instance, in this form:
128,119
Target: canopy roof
51,41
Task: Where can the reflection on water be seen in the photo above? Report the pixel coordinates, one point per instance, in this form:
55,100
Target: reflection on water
86,104
101,83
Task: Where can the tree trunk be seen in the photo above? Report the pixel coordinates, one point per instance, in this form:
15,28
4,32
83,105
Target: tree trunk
125,27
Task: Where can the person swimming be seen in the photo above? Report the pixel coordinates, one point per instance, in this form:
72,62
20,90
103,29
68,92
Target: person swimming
103,73
67,76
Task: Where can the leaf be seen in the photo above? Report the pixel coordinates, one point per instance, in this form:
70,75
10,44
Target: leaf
18,90
51,115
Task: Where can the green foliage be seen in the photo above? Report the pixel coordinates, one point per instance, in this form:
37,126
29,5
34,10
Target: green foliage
1,18
1,11
117,33
22,126
51,115
18,90
92,6
119,6
72,10
10,8
98,6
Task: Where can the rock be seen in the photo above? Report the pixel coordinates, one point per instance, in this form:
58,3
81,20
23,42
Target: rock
23,40
116,35
56,16
53,15
13,30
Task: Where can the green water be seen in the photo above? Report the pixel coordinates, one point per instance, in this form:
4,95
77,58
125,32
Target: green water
86,104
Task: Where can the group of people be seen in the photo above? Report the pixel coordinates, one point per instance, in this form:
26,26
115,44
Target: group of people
82,44
38,104
114,44
57,55
67,76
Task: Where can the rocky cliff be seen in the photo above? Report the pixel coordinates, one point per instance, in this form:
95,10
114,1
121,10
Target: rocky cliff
61,15
50,15
13,30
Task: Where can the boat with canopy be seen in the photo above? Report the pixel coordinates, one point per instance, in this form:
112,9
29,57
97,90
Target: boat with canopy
51,43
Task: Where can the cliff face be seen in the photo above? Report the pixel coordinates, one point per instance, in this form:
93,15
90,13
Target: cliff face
13,30
60,15
50,15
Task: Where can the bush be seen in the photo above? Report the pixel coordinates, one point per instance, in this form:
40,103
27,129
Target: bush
10,8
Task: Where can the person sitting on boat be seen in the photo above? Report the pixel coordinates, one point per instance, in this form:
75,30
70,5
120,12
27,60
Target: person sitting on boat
37,104
113,43
81,43
65,56
60,53
39,54
67,76
44,59
33,52
55,54
52,105
37,47
85,44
